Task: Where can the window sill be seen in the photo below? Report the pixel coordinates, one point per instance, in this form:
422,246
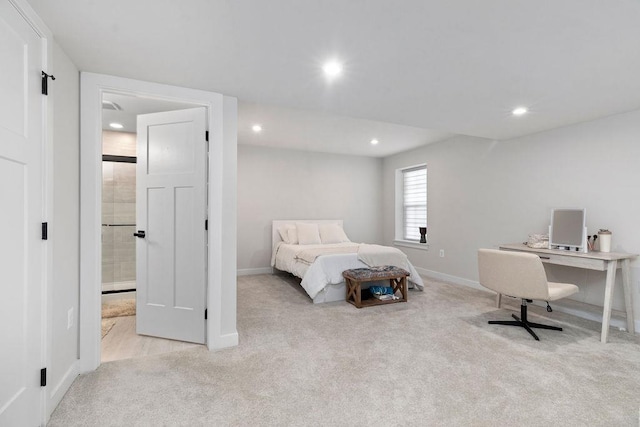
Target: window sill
411,244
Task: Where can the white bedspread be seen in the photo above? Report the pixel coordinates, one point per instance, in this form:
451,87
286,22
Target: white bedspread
326,269
376,255
310,255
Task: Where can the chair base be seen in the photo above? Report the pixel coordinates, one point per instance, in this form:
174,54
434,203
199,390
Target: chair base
523,322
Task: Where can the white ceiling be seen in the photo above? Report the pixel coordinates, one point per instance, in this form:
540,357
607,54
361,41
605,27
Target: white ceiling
458,66
289,128
311,130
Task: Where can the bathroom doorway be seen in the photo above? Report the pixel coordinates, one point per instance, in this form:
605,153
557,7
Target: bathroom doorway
119,289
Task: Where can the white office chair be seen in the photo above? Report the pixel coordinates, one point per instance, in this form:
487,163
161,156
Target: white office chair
520,275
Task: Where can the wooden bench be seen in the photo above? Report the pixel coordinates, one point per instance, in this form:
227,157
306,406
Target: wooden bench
354,279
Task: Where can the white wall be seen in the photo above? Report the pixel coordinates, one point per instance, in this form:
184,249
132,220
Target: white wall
482,193
290,184
229,215
64,231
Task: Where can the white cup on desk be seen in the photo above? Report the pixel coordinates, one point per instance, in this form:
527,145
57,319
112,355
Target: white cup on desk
604,236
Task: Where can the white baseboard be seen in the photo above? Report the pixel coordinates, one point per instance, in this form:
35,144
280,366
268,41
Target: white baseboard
58,392
584,311
254,271
451,279
224,341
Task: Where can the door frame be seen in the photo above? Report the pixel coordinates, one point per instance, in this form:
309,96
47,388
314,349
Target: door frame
221,189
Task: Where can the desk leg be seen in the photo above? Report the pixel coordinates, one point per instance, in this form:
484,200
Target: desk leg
628,299
608,299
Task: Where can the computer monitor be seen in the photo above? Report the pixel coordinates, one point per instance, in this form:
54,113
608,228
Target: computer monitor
568,230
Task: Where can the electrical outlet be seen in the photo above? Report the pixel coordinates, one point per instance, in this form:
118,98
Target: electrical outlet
70,318
441,253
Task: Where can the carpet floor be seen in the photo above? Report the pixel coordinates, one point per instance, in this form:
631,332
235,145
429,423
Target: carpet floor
431,361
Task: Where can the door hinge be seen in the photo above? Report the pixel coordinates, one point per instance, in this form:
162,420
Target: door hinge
45,82
43,377
206,224
45,231
205,314
206,135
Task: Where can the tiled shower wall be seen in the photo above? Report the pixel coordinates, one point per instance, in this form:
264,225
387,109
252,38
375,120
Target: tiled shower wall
118,213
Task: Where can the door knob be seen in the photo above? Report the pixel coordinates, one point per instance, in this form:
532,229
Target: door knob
140,234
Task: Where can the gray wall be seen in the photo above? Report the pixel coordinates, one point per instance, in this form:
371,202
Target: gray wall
482,193
64,226
290,184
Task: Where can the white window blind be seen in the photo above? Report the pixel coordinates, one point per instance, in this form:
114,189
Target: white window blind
414,185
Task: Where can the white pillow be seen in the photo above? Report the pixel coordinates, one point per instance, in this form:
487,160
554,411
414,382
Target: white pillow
293,235
332,233
308,233
284,233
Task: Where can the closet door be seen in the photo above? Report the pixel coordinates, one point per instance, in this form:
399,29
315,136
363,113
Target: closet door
21,246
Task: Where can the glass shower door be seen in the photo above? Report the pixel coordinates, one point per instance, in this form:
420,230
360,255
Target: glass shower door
118,223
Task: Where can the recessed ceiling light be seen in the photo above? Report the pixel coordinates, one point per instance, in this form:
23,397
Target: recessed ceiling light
519,111
374,142
116,125
256,128
332,69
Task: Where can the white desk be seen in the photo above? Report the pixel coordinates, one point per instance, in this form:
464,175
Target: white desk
601,261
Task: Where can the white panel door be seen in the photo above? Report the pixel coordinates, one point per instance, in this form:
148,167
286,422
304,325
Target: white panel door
21,187
171,211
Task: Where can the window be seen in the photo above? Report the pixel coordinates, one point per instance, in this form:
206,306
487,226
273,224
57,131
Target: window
414,202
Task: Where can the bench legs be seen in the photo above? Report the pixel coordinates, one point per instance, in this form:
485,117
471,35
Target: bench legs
354,291
400,284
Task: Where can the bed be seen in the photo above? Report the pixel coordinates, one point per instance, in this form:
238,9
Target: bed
320,265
